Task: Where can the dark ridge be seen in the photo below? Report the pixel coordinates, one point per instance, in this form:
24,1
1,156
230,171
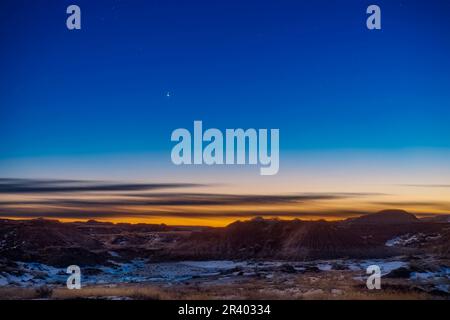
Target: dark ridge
390,216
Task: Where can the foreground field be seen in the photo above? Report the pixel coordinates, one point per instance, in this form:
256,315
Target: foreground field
403,278
302,288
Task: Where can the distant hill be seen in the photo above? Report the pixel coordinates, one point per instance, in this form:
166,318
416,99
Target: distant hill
360,237
93,243
262,238
391,216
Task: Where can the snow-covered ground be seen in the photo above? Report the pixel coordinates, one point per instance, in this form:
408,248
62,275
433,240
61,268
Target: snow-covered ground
411,239
138,271
386,266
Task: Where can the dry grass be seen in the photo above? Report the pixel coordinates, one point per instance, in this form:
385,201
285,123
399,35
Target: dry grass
17,293
94,292
13,293
336,285
132,292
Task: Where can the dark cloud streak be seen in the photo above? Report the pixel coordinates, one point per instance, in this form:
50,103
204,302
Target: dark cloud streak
21,186
42,198
93,214
187,199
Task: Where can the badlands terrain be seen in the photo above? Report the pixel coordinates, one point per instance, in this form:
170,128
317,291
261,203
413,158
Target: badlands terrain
255,259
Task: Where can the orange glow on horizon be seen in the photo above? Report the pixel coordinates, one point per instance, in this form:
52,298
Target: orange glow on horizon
200,222
204,221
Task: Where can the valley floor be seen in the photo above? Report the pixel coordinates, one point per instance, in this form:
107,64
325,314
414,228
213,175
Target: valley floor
403,277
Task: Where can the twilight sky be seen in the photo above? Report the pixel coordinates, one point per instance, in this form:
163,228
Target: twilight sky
363,115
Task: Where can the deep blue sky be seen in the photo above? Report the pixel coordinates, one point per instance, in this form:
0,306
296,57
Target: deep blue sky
311,69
